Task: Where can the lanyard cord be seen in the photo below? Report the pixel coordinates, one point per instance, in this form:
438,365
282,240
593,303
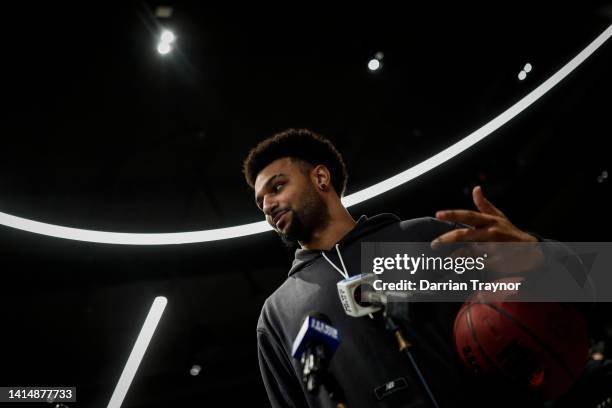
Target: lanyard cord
344,273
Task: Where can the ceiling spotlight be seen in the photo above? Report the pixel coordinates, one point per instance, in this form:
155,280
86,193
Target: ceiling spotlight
167,36
527,68
195,370
379,55
522,75
163,48
374,65
602,177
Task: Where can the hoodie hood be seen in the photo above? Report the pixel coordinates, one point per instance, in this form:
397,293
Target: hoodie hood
364,226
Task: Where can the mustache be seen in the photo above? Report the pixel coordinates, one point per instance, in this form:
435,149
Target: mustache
275,213
278,211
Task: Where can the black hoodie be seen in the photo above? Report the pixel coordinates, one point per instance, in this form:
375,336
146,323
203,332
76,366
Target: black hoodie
368,357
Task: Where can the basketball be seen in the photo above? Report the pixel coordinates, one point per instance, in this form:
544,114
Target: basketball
540,347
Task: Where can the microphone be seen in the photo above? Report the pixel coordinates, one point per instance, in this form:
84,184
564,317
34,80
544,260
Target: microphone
314,346
350,291
359,298
316,328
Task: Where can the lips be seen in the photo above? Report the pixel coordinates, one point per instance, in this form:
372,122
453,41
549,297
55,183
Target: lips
278,217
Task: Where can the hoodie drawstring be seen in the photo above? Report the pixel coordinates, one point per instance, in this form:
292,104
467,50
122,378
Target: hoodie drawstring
344,273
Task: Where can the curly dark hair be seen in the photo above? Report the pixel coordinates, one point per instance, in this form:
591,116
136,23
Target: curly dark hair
300,144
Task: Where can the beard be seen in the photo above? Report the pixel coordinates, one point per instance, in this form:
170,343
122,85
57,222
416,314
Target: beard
305,220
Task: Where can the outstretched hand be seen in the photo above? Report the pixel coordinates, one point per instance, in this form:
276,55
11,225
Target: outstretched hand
488,224
486,228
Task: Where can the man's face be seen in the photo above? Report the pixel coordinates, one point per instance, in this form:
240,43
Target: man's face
289,200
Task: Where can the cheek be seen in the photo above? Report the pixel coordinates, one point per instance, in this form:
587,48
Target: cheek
289,197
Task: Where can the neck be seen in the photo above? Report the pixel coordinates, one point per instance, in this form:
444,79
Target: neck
340,223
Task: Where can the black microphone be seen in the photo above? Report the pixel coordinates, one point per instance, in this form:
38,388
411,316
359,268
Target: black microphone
314,346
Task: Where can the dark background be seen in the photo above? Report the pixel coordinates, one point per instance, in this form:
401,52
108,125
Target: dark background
101,132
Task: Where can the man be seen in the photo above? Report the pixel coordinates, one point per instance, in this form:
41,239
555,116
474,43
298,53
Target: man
299,178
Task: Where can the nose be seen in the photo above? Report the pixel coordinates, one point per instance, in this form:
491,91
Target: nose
269,204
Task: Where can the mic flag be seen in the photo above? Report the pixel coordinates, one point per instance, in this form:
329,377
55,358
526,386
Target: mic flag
314,331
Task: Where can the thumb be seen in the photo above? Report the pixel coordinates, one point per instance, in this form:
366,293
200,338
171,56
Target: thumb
484,205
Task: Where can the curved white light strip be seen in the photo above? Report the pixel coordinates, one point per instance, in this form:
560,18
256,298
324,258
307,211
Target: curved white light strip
352,199
125,238
481,133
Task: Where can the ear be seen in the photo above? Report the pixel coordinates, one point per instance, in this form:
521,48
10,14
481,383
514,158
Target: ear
321,178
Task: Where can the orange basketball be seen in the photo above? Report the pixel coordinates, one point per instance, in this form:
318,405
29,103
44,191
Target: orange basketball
542,347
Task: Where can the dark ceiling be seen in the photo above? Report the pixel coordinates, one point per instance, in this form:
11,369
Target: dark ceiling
101,132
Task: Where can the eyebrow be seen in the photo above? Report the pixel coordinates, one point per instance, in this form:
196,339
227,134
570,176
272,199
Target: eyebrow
267,184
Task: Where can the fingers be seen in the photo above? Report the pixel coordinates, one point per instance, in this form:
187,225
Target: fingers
484,205
468,217
463,235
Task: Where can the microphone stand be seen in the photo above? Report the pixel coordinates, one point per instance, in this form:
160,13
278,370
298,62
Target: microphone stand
404,347
315,373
